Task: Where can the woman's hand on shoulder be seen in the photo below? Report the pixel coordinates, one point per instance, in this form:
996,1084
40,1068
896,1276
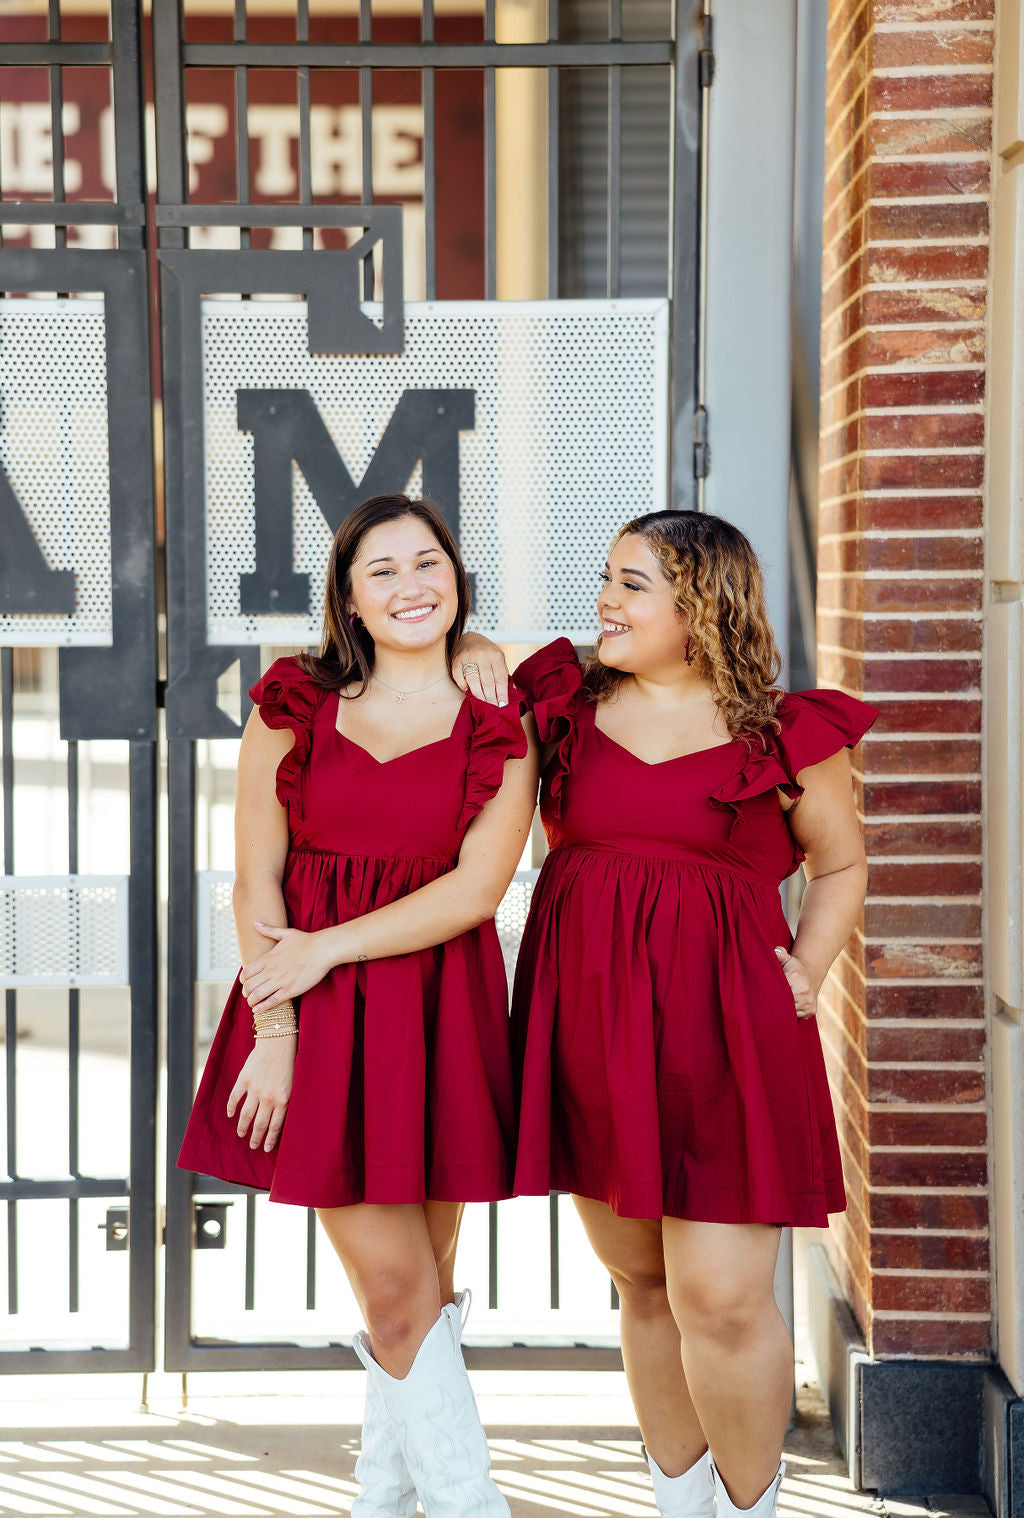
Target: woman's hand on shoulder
261,1094
479,666
295,962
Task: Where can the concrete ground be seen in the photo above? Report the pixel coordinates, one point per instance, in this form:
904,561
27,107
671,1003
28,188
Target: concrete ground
267,1445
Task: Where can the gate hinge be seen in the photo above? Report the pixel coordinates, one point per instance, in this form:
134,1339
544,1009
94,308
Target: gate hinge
701,451
707,53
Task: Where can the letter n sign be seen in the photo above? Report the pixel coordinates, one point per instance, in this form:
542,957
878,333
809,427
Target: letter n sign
286,427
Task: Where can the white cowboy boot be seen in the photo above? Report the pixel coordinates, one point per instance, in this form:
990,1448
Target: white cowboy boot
764,1507
388,1491
439,1430
691,1495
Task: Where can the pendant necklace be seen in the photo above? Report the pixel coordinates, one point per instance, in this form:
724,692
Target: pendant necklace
401,694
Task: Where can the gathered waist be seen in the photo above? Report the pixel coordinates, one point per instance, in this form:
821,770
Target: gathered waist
346,856
652,855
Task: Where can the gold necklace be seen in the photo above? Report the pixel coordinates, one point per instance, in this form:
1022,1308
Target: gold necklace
401,694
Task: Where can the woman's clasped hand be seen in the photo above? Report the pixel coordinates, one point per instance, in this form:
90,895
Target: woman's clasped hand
295,962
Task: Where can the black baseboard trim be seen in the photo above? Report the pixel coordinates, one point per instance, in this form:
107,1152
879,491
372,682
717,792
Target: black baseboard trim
910,1428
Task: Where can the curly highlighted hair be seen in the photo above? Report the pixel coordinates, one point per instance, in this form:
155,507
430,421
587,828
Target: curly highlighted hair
719,588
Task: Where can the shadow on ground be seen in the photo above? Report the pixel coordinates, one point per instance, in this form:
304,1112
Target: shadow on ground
201,1462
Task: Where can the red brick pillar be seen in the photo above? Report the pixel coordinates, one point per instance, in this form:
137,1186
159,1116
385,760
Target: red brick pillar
907,184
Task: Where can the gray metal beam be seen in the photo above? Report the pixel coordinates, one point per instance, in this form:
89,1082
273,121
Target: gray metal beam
389,55
750,242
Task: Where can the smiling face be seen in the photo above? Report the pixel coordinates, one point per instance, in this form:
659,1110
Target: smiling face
642,629
403,586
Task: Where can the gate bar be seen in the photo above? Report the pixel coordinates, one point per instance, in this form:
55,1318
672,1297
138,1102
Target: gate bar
129,115
178,1243
242,124
490,162
429,182
10,994
305,138
614,228
41,54
554,159
74,1042
71,213
392,55
144,970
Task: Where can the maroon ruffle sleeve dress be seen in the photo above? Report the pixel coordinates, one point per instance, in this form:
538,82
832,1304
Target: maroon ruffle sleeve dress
663,1067
403,1086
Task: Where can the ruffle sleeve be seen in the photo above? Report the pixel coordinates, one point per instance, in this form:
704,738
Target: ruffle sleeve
551,684
815,724
288,698
497,735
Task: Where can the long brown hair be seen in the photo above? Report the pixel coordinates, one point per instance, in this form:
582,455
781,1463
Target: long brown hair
718,586
346,648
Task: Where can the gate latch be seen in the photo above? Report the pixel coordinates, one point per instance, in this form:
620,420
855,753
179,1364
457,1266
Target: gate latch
211,1225
115,1228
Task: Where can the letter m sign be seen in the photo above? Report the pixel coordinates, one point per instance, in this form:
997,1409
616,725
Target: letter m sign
287,427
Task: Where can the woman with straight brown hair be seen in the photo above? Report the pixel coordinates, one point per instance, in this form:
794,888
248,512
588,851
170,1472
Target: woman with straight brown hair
362,1063
671,1070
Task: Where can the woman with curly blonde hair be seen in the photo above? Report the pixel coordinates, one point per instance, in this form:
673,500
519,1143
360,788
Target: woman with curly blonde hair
671,1071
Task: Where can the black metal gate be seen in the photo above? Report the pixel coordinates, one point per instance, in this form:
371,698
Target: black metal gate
621,115
73,932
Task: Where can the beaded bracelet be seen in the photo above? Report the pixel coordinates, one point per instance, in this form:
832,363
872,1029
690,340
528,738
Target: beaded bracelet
276,1022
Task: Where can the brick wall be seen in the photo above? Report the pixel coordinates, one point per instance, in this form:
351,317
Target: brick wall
900,622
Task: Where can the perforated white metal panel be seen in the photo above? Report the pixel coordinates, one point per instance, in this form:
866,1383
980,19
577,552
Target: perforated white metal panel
63,930
570,441
510,918
216,944
217,950
53,449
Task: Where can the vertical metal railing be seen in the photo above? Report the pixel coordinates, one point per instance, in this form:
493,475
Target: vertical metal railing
554,152
87,678
10,995
429,96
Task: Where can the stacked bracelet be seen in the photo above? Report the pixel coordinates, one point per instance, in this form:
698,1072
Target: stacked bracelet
276,1022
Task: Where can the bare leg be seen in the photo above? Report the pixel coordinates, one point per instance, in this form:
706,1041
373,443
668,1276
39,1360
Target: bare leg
444,1219
737,1353
389,1260
630,1250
